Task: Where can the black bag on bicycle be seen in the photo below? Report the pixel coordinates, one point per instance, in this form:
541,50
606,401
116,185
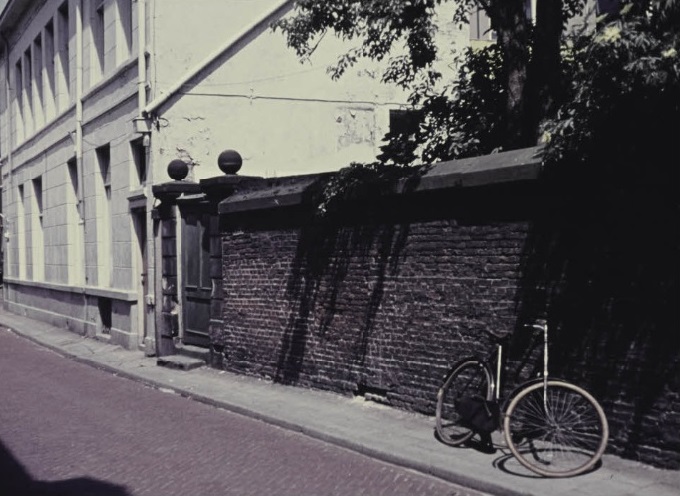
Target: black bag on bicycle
478,413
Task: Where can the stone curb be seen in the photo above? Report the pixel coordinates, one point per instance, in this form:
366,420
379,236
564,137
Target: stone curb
393,458
469,470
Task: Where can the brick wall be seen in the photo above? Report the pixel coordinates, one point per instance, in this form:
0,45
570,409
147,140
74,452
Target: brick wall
376,309
383,301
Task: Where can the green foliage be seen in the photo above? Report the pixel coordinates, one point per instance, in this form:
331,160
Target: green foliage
381,26
458,118
618,97
620,121
378,26
361,182
462,120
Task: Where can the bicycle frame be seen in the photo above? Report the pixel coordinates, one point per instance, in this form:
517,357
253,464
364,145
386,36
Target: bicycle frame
543,326
553,427
495,385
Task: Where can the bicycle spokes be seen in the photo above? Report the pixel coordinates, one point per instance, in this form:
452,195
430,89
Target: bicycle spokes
469,380
557,430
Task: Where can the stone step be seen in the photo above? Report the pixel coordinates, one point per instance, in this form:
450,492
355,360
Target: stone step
197,352
180,362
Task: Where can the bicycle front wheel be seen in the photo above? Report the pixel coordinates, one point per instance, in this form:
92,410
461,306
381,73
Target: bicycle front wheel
469,379
559,431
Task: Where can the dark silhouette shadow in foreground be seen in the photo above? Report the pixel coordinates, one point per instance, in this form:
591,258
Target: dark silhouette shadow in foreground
16,481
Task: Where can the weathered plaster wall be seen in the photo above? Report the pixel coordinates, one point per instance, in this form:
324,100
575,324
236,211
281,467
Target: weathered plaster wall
185,33
284,117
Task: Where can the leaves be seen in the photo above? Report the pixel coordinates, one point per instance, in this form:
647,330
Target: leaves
464,119
360,183
618,83
624,95
381,28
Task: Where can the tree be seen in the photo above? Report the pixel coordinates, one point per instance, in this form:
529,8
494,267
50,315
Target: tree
521,73
619,122
605,102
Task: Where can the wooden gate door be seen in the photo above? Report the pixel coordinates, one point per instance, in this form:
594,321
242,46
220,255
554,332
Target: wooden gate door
197,286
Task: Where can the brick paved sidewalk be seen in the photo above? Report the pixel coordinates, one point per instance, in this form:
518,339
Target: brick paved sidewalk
385,433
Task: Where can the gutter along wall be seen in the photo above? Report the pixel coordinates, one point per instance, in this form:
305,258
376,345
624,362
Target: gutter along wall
384,298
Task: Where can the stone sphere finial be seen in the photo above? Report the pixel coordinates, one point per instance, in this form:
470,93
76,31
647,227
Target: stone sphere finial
229,161
178,169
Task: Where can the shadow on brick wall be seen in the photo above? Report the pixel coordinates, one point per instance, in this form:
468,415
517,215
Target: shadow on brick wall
319,273
605,267
386,298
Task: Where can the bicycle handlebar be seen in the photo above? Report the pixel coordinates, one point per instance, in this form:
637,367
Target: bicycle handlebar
538,324
542,325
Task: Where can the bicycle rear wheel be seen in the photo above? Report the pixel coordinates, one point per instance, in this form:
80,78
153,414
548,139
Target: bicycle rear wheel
563,436
469,379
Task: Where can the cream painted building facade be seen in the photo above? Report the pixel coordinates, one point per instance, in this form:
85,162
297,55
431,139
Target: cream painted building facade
98,96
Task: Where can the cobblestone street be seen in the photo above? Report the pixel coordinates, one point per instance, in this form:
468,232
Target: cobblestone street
67,428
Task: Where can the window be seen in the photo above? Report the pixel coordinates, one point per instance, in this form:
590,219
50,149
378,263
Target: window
37,231
480,26
19,79
530,10
72,166
75,225
97,32
21,232
38,189
38,82
105,314
63,34
29,72
139,160
19,100
608,6
104,158
28,92
404,122
124,30
50,85
104,220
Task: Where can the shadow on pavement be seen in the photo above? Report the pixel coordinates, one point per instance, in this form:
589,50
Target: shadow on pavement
509,464
15,480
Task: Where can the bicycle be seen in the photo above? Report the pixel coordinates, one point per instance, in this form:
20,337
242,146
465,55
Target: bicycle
552,427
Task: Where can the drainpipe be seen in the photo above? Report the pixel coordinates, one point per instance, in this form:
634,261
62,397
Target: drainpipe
141,56
8,143
79,104
149,304
8,94
79,146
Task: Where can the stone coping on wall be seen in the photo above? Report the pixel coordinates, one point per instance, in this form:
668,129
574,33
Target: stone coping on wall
504,167
175,188
169,192
185,191
272,193
223,186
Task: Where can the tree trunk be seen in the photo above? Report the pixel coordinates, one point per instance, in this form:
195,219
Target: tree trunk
510,21
543,91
